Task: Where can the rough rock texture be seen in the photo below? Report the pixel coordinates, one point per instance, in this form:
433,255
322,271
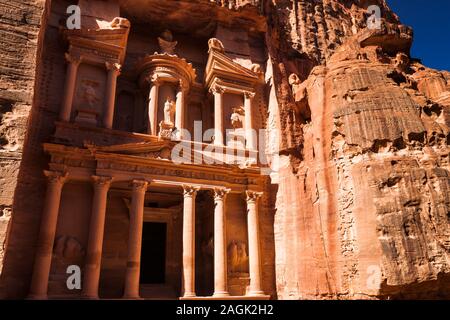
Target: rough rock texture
364,183
19,43
362,196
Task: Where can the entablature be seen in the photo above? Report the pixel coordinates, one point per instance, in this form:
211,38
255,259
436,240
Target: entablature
82,163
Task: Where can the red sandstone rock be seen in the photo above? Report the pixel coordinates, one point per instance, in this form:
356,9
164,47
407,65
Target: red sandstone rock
359,208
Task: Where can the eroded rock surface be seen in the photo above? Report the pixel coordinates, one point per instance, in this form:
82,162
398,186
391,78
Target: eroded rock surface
369,167
361,202
19,43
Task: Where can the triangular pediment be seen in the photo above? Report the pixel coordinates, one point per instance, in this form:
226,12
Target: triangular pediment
110,40
221,66
154,149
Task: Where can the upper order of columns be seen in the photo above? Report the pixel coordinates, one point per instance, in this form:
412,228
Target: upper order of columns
223,75
156,71
84,48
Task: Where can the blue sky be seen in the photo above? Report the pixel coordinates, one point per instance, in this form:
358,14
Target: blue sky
430,20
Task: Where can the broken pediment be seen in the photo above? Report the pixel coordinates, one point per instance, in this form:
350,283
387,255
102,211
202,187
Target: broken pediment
222,69
165,67
155,150
109,43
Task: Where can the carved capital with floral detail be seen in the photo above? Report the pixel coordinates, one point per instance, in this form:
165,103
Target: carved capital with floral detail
183,86
252,196
56,176
113,66
155,80
101,181
190,191
220,194
249,95
76,60
216,89
139,185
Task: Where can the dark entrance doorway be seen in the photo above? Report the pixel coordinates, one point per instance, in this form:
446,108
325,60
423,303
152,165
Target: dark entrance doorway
153,253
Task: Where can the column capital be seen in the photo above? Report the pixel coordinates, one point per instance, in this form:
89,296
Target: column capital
101,181
216,89
183,85
113,66
76,60
220,193
249,95
190,191
56,176
139,185
252,196
155,80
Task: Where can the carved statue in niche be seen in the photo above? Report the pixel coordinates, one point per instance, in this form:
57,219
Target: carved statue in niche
237,257
236,136
169,107
90,102
90,94
166,43
167,125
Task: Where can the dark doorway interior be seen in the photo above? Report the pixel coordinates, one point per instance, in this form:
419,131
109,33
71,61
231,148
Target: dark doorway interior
153,253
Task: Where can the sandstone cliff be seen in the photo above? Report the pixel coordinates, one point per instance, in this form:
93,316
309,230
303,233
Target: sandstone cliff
362,197
19,47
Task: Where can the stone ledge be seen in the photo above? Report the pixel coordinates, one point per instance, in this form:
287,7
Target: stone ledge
261,297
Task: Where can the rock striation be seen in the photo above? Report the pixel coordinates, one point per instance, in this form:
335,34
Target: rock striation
360,205
363,196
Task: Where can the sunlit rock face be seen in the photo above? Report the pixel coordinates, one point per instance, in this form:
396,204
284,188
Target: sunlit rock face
359,206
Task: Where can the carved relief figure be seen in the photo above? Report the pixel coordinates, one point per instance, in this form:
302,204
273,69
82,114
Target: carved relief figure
235,118
68,248
90,97
237,257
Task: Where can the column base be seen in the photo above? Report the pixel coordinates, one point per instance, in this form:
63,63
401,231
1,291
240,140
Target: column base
255,293
238,298
132,298
221,294
89,297
189,295
37,297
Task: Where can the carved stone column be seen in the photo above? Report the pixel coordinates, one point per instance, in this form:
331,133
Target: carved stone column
110,99
135,240
253,243
46,238
220,244
180,109
218,115
190,193
69,91
153,106
249,129
95,241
